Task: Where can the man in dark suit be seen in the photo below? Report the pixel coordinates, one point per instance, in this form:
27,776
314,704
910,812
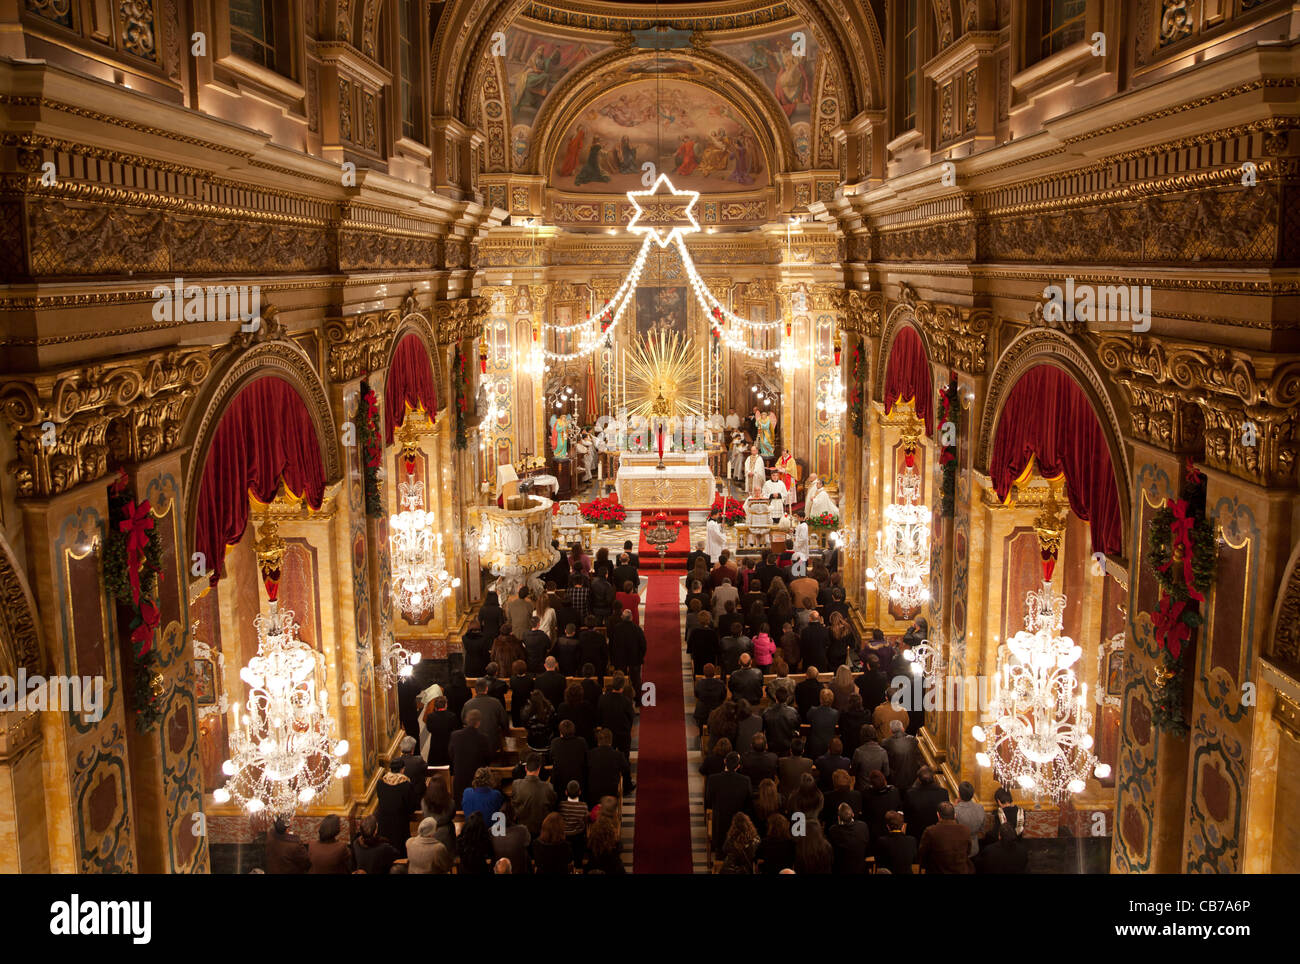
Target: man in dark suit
615,712
727,794
605,767
477,647
627,648
633,558
895,851
558,573
469,749
758,762
904,753
286,853
536,645
813,641
922,803
441,724
807,693
697,553
625,572
768,571
413,766
567,654
551,682
492,714
592,647
602,597
780,722
792,767
1010,855
873,684
568,758
747,681
533,797
945,845
837,605
849,838
830,761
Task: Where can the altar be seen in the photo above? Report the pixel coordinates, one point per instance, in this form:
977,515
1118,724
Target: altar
685,481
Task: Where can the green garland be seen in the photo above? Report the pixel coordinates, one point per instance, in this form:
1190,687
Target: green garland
460,376
371,448
857,395
948,453
146,699
1160,550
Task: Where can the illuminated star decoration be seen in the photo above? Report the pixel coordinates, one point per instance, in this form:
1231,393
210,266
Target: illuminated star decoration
668,212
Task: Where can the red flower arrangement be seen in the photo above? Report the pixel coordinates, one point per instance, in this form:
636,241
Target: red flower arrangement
728,511
605,511
824,521
372,450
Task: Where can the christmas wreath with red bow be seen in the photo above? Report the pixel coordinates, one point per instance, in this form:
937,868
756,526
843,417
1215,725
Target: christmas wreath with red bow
461,378
856,394
372,449
132,562
948,453
1182,554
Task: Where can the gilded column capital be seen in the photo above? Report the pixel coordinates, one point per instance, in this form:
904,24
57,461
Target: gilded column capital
862,312
358,344
461,319
68,423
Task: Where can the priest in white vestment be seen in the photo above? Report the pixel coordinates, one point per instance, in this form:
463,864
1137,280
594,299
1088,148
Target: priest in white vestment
817,502
776,493
715,540
754,472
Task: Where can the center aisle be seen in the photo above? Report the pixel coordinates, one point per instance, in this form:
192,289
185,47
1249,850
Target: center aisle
662,831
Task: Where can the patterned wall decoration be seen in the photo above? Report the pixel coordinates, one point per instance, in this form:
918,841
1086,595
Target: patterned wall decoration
1221,728
1135,802
361,602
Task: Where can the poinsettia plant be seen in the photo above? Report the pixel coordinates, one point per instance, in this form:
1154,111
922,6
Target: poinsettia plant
132,563
371,448
857,397
726,510
824,520
1182,554
605,511
461,378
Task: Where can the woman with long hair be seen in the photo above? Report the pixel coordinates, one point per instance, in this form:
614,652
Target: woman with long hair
781,609
457,693
844,643
776,851
491,616
437,803
812,851
768,800
545,612
576,708
715,758
474,846
843,687
603,846
699,573
805,799
755,617
602,566
741,846
552,854
702,644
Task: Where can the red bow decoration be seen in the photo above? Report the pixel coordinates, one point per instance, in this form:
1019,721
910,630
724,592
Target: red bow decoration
142,634
1193,474
1171,629
136,525
1182,535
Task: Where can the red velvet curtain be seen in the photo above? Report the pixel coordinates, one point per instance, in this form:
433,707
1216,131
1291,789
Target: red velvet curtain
410,381
265,435
907,376
1049,418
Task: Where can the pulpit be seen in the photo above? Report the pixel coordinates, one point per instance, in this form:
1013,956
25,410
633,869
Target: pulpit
514,541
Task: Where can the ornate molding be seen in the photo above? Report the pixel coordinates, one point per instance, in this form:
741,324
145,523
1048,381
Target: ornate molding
69,423
958,338
357,345
464,318
20,639
1229,388
861,312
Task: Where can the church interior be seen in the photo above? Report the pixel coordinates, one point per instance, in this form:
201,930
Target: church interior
705,436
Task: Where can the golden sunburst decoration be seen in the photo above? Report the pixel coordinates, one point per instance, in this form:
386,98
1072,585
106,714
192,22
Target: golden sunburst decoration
663,368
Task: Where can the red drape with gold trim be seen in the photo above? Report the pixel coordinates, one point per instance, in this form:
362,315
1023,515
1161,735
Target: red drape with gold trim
1048,418
907,376
265,435
409,382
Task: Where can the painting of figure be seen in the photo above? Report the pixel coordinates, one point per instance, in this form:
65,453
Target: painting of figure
776,61
660,310
535,65
685,130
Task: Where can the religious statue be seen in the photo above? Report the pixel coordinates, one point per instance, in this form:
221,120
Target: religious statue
817,502
754,472
766,434
560,436
736,464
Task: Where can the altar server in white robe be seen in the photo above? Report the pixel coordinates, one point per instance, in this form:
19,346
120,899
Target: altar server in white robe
736,468
715,540
754,472
776,493
800,549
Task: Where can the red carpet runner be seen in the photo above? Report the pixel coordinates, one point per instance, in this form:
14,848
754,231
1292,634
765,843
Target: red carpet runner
662,841
675,555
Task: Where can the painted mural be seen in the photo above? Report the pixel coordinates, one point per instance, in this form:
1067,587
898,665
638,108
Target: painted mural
791,78
686,131
660,310
535,66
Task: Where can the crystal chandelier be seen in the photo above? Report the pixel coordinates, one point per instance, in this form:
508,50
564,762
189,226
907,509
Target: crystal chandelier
283,751
420,575
902,568
1039,729
926,658
830,398
397,662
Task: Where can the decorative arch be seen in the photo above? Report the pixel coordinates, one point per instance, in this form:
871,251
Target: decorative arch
1283,646
414,322
909,374
1044,346
847,31
282,359
410,381
20,629
900,316
581,87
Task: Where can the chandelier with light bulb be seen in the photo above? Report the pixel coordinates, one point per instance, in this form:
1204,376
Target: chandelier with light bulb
419,569
1037,730
283,752
926,658
902,570
397,662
